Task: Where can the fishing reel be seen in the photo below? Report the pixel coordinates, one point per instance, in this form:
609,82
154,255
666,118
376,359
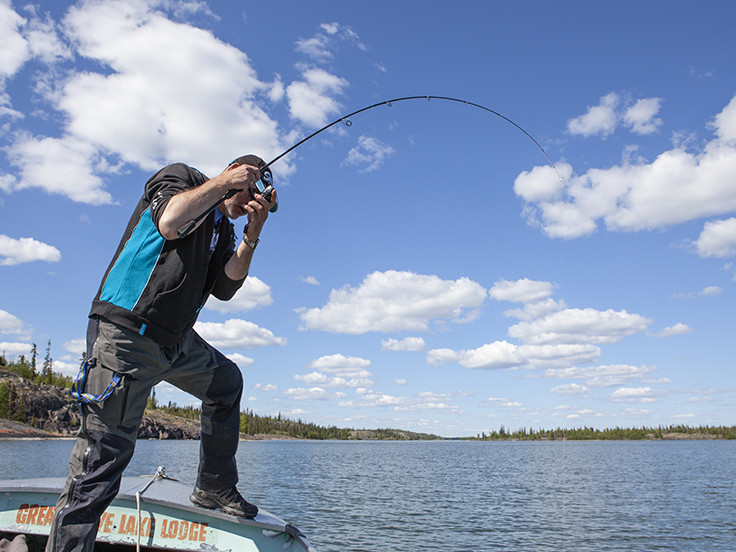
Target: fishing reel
264,186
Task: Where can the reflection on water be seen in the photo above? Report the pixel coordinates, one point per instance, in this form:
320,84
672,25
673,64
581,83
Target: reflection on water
458,496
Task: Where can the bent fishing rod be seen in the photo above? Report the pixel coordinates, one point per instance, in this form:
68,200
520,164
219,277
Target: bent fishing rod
184,230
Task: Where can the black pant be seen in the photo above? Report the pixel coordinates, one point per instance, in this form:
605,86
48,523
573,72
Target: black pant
106,441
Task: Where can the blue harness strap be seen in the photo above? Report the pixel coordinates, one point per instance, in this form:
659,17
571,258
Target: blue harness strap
81,381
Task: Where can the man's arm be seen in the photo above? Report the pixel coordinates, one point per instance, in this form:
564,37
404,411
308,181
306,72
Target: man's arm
257,209
188,205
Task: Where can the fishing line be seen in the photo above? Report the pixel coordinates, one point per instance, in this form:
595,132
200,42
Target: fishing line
188,227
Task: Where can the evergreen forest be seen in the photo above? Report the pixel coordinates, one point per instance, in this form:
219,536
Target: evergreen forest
12,407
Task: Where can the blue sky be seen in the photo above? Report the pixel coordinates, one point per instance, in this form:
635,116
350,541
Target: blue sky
427,269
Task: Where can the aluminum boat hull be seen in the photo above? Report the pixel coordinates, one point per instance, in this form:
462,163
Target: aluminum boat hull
168,520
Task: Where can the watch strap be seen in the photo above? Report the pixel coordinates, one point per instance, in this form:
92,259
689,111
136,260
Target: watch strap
249,243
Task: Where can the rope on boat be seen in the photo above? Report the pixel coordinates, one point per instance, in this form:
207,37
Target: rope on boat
160,474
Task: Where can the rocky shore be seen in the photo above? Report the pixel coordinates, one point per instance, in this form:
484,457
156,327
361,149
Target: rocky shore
47,411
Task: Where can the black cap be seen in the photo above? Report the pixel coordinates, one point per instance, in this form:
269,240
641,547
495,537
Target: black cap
250,159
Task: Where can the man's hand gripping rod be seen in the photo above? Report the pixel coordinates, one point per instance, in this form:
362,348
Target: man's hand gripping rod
192,224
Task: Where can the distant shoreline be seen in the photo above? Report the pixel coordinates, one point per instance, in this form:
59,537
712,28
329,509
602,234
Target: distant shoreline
17,431
42,411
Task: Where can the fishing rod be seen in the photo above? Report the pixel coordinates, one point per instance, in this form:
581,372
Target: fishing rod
188,227
389,103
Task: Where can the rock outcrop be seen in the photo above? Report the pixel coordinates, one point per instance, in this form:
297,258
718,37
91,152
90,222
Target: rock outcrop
40,410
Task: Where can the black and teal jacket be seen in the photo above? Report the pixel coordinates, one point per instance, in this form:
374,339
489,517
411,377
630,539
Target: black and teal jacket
157,287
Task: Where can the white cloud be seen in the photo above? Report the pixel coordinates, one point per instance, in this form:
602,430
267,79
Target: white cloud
604,118
312,378
502,354
394,301
560,354
438,357
499,354
12,350
369,154
569,389
418,404
310,100
311,280
237,334
506,403
315,47
551,335
344,372
373,399
536,309
718,239
335,362
534,294
724,124
320,46
600,119
12,325
601,376
241,360
148,124
311,394
26,250
76,346
583,412
678,186
580,326
423,401
114,116
43,39
635,394
541,184
677,329
254,294
65,368
14,50
341,365
335,382
63,166
708,291
406,344
6,110
641,116
521,291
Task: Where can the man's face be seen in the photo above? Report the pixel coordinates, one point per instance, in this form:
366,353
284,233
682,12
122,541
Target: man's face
234,207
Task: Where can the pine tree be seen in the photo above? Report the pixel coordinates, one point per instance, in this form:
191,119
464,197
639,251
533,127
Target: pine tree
47,372
34,354
152,403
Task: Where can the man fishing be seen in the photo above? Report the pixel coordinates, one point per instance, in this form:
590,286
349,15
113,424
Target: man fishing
174,254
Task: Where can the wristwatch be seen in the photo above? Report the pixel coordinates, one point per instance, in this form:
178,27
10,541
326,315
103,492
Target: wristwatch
249,243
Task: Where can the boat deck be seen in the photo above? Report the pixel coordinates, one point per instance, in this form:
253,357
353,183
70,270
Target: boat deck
162,519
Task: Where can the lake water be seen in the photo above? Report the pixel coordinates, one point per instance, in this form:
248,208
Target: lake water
465,496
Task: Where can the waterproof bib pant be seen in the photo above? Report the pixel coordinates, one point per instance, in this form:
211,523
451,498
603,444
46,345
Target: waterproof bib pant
106,440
